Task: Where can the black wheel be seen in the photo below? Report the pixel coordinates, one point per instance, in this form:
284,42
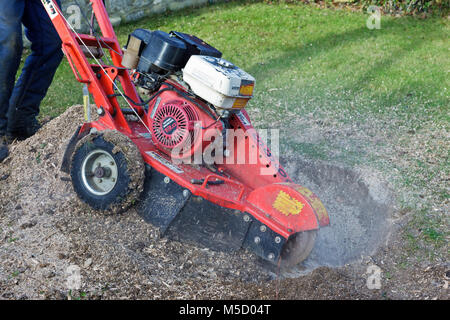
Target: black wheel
297,248
107,171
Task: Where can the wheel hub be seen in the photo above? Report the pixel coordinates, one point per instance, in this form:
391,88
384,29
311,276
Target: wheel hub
99,172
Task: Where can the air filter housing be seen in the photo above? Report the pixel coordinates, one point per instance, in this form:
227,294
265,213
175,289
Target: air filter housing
162,53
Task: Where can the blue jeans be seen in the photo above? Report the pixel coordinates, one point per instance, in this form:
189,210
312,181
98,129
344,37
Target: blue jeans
19,102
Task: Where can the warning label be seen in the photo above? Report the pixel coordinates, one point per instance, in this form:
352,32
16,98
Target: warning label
50,6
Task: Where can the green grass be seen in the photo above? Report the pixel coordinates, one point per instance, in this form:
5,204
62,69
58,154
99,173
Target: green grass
327,60
320,69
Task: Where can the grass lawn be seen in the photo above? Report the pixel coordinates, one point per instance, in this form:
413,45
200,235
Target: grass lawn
339,91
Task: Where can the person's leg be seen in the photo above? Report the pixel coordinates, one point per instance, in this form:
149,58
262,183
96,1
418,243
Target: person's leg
10,53
38,71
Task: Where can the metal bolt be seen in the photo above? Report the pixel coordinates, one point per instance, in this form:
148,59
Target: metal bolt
226,153
166,180
186,193
226,114
93,131
271,256
113,179
263,228
246,218
257,240
277,239
100,111
100,180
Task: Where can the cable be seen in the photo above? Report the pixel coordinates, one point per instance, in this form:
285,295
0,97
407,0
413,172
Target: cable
157,94
173,88
141,104
103,69
99,39
93,32
128,99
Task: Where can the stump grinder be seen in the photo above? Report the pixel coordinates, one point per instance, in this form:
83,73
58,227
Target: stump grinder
173,138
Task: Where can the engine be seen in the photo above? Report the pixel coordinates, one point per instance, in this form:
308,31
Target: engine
191,90
181,128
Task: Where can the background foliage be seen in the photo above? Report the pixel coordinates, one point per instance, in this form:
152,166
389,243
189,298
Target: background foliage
406,7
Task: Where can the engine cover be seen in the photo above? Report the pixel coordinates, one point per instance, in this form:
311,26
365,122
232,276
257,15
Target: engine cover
173,124
179,127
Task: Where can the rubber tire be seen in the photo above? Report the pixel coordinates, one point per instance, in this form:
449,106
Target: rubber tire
129,185
297,249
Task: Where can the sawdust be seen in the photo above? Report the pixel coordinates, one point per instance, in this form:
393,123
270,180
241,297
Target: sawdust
44,232
359,205
45,229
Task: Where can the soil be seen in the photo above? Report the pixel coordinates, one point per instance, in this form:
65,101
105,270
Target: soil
46,233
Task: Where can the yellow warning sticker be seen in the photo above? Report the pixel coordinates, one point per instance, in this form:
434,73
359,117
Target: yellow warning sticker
319,208
287,205
315,203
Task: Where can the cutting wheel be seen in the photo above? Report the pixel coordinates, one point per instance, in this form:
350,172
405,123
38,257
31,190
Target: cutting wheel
297,248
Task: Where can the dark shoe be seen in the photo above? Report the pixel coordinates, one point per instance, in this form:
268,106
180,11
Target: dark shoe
3,148
26,132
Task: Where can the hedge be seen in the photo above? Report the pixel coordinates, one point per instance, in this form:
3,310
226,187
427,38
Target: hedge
402,7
